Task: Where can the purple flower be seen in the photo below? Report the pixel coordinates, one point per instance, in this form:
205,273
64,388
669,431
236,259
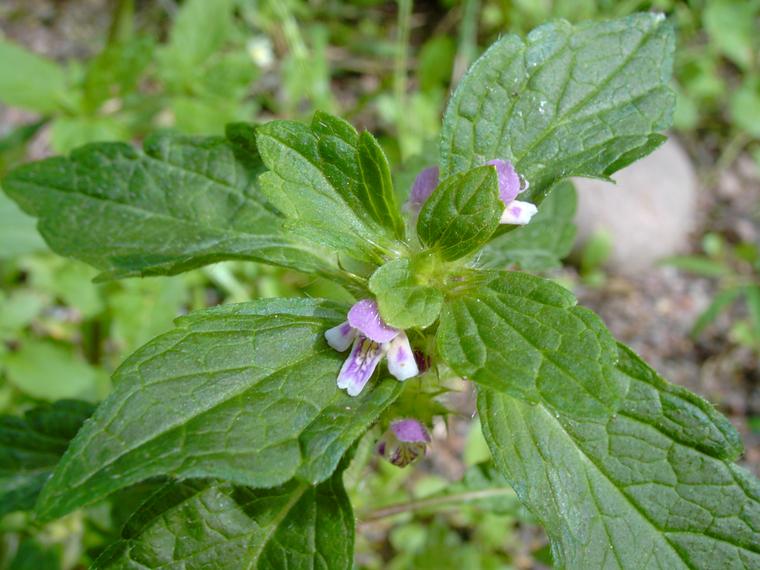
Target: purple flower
404,442
370,339
515,212
423,187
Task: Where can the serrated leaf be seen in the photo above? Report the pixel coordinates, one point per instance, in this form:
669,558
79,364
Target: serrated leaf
181,203
317,180
543,243
30,448
377,184
525,336
581,100
30,81
404,303
245,393
462,213
199,525
650,487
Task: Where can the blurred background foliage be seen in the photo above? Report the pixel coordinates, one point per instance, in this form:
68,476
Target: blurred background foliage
388,66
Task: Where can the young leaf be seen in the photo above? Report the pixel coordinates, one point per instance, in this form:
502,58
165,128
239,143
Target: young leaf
181,203
462,213
581,100
30,448
377,184
525,336
649,487
197,524
543,243
404,303
200,30
245,393
30,81
324,178
719,303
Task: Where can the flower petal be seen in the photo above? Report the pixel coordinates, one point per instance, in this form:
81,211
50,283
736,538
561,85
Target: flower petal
359,366
509,181
340,337
401,361
423,187
365,317
518,213
410,431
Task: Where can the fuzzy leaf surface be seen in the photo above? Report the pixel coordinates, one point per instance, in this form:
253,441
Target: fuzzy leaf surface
245,393
525,336
543,243
30,448
181,203
582,100
650,487
197,525
462,213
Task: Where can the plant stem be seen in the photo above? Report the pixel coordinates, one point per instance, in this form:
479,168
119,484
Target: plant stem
433,502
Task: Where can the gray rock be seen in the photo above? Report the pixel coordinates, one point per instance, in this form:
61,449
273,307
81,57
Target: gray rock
649,212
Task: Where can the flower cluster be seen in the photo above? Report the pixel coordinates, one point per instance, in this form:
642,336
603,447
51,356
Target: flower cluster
371,338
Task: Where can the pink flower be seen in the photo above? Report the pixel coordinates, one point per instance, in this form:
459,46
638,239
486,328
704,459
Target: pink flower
404,442
370,339
515,212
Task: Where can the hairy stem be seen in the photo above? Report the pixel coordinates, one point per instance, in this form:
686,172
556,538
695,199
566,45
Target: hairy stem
433,503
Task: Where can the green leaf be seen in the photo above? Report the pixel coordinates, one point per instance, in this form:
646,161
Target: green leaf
318,180
201,28
33,555
649,487
245,393
17,232
198,525
732,27
541,244
30,448
116,71
525,336
377,185
720,302
703,266
181,203
30,81
581,100
404,302
745,105
462,213
50,371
